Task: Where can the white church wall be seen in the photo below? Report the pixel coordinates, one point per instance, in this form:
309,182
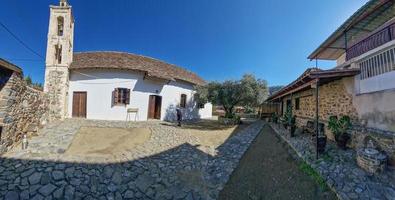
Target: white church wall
99,85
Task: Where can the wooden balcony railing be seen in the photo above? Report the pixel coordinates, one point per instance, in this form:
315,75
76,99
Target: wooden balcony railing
373,41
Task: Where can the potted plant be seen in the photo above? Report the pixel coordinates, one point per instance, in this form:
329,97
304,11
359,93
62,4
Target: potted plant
292,124
321,143
339,128
285,120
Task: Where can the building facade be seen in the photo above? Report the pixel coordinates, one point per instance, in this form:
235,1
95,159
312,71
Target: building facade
110,85
361,85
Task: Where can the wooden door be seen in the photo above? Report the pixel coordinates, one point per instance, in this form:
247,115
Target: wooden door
79,104
158,106
151,107
154,107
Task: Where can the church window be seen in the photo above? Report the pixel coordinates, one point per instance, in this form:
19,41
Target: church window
60,26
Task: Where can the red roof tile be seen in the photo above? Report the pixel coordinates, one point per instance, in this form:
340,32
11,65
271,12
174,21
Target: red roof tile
120,60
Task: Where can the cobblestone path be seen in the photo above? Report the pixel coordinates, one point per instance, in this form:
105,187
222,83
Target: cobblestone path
170,165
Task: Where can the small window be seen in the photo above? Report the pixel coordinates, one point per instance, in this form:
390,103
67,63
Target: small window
183,101
60,26
121,96
58,54
201,105
297,103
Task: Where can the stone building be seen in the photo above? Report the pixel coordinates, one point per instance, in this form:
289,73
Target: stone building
23,109
109,85
361,85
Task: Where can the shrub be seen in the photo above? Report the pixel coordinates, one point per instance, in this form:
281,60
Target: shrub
234,120
340,126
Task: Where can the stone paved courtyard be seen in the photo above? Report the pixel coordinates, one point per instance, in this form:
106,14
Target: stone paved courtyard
172,164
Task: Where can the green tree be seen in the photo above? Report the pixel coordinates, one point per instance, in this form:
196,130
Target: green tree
28,80
248,91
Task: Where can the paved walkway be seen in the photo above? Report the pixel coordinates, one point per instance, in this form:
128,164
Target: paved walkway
169,165
267,171
340,171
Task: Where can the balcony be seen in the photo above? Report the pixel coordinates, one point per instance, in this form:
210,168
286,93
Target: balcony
373,41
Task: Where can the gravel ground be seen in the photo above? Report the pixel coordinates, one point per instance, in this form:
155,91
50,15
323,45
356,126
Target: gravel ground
107,141
268,171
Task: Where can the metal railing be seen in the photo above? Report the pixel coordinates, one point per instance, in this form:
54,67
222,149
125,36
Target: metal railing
378,64
373,41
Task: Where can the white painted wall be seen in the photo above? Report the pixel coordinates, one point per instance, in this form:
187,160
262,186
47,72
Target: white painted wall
375,109
99,85
207,111
376,83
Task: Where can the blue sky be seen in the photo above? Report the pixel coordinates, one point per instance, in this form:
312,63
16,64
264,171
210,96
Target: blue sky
221,39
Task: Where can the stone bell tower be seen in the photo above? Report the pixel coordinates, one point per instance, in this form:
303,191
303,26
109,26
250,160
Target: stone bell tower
59,57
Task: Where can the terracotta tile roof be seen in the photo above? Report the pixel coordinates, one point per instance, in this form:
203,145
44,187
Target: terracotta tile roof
120,60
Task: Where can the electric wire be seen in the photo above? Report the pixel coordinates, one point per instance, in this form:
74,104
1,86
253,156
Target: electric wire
19,40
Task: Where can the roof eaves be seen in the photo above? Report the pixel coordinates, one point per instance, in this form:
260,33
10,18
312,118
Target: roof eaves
356,17
10,66
311,74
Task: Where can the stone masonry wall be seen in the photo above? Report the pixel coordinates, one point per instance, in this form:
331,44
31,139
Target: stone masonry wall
23,110
335,100
56,86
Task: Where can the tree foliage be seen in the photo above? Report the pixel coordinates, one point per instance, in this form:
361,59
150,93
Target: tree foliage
30,82
248,91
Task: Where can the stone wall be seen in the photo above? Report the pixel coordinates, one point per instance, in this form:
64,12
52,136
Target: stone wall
335,99
23,110
56,87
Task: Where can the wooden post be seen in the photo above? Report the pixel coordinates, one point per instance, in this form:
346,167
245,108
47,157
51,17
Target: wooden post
316,115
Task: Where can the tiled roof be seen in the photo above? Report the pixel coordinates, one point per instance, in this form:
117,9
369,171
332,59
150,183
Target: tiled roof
120,60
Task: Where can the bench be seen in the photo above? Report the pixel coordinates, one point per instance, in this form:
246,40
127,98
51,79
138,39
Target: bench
265,115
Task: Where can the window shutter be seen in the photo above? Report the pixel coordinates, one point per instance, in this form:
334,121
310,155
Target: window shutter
127,98
116,96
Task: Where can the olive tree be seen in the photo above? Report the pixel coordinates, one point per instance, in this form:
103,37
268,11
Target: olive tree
248,91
